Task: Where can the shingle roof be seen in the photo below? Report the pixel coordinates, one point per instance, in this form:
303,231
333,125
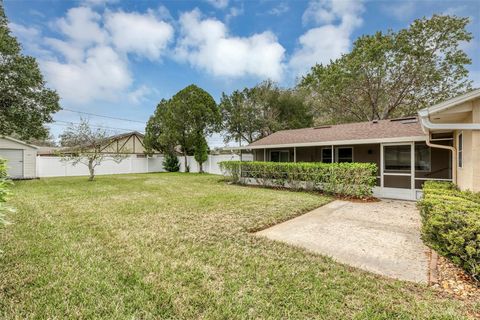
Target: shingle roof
381,129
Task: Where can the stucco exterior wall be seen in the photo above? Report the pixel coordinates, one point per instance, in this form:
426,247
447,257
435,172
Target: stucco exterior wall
476,148
468,176
29,156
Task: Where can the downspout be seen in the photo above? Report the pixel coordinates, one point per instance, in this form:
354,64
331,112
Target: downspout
425,127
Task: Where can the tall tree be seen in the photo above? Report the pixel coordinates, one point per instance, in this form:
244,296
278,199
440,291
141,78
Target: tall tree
393,74
189,115
257,112
25,102
201,152
158,135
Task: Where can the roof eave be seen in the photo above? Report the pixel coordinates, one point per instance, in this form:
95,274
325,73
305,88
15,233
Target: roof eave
336,143
20,141
442,106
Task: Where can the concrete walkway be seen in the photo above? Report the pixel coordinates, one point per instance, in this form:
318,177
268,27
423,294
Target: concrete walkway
381,237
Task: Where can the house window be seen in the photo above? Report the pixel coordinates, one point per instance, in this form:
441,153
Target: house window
342,154
422,157
345,154
460,150
279,156
397,158
327,155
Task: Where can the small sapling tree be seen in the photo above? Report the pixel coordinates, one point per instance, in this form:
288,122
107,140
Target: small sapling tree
82,144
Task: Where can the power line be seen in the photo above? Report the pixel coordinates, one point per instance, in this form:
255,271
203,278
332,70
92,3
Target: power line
103,116
66,123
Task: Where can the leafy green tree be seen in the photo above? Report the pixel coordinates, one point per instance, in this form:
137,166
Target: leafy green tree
393,74
201,152
191,113
25,102
158,135
257,112
240,117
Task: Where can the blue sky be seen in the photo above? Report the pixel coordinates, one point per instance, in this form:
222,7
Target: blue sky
119,58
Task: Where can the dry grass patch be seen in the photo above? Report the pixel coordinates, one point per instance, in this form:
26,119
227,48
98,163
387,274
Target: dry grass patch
177,246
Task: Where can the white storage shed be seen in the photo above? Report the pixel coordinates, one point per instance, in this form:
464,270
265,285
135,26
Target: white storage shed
21,158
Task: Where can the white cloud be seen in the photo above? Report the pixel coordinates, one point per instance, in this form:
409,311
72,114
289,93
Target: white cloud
338,19
81,25
29,35
102,75
88,61
138,33
139,95
70,51
400,10
206,44
346,12
219,4
320,45
279,9
233,12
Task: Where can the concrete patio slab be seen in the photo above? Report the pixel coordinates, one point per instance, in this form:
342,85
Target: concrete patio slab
381,237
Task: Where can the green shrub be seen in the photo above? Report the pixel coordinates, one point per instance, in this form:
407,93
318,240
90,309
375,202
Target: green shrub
349,179
171,163
451,224
201,152
4,191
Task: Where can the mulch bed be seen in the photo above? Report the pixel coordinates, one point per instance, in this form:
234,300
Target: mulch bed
451,281
454,281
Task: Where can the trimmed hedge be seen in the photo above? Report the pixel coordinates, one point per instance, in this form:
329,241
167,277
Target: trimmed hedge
349,179
451,224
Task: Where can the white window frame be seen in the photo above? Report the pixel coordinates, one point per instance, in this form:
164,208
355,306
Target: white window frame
460,149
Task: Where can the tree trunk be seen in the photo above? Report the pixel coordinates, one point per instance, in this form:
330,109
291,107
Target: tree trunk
187,168
201,167
91,170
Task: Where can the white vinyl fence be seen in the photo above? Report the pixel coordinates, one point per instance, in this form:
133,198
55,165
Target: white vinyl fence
54,167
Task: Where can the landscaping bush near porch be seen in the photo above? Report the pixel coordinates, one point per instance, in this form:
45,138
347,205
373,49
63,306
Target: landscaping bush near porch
451,224
348,179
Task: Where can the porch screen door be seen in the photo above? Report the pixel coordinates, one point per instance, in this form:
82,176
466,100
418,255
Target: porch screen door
397,174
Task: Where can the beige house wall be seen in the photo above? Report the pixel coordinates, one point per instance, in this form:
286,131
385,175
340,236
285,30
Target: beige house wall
29,156
468,176
130,144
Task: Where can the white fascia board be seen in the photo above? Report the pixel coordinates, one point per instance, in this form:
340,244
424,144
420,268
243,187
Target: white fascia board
450,103
426,123
336,143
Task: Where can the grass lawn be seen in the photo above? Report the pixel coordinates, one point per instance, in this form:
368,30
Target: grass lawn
178,246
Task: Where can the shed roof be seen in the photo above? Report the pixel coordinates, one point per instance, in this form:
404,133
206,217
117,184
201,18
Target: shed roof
402,129
19,142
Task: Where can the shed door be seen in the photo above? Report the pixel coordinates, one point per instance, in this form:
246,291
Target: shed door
14,159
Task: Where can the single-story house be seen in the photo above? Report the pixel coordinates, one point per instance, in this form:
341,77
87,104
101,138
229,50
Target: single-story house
20,156
127,143
441,143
